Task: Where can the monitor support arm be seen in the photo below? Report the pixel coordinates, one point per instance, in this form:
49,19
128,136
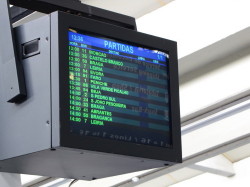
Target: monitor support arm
11,69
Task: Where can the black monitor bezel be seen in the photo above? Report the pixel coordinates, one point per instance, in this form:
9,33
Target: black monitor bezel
67,139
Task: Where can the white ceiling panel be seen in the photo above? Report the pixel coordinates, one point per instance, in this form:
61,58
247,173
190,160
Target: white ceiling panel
238,154
132,8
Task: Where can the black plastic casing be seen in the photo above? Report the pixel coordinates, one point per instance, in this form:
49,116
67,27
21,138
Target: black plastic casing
67,139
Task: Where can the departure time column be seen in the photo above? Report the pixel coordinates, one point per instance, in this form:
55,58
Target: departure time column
75,83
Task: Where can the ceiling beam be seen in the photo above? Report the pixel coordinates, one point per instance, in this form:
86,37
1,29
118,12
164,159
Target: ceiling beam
214,52
209,153
218,165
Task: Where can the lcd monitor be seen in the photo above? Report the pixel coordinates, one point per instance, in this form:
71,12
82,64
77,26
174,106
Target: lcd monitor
118,91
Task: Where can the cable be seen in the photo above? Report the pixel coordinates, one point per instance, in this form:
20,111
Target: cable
73,182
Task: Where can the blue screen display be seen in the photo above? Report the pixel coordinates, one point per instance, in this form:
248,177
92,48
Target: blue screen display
118,90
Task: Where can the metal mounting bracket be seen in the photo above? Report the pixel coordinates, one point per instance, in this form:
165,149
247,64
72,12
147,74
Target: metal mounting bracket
10,67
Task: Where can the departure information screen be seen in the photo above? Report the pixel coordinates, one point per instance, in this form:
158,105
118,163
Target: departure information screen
118,90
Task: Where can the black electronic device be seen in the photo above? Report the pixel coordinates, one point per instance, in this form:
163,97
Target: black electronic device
102,98
118,90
